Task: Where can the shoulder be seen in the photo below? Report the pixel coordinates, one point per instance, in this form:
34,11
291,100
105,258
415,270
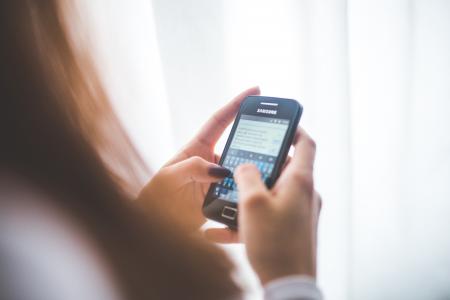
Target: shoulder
43,253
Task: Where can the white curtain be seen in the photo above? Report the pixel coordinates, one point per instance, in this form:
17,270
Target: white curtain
374,79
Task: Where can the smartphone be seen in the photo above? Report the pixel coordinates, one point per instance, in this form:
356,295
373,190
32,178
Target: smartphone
262,134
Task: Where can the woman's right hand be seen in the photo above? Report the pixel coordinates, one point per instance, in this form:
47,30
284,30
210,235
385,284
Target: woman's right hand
279,226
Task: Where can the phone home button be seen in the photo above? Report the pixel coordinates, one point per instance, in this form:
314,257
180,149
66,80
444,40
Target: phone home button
229,212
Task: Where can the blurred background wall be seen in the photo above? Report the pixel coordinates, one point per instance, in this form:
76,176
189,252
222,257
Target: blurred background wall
374,79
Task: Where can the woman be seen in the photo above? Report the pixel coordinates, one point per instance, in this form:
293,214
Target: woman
68,226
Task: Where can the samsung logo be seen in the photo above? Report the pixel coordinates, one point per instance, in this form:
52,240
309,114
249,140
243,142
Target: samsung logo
266,111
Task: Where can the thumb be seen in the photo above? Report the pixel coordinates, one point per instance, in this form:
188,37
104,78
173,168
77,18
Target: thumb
253,194
195,169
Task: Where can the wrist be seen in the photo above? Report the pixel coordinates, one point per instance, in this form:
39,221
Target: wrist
282,265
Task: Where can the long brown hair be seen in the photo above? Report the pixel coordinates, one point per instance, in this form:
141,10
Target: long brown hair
59,133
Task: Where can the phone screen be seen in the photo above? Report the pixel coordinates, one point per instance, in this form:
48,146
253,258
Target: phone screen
256,140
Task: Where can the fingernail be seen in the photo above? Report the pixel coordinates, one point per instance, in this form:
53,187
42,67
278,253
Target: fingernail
219,172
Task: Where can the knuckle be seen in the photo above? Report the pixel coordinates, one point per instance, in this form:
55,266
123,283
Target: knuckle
311,143
255,199
307,183
196,160
304,179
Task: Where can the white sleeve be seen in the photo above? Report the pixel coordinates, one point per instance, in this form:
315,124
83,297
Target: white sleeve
296,287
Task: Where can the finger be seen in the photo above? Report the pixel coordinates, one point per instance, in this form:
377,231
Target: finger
252,191
305,151
222,235
304,154
195,169
214,127
301,166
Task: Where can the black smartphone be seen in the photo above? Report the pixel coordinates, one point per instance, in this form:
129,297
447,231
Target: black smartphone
262,134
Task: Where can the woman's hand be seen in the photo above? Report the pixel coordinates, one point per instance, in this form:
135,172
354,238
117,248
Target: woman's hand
279,226
179,187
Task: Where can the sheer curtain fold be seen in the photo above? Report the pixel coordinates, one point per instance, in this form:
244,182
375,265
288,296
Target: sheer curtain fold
399,58
374,78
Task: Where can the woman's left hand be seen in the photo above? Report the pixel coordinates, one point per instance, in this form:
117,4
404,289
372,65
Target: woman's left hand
180,186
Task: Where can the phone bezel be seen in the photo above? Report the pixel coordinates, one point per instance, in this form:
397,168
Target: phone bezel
286,109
